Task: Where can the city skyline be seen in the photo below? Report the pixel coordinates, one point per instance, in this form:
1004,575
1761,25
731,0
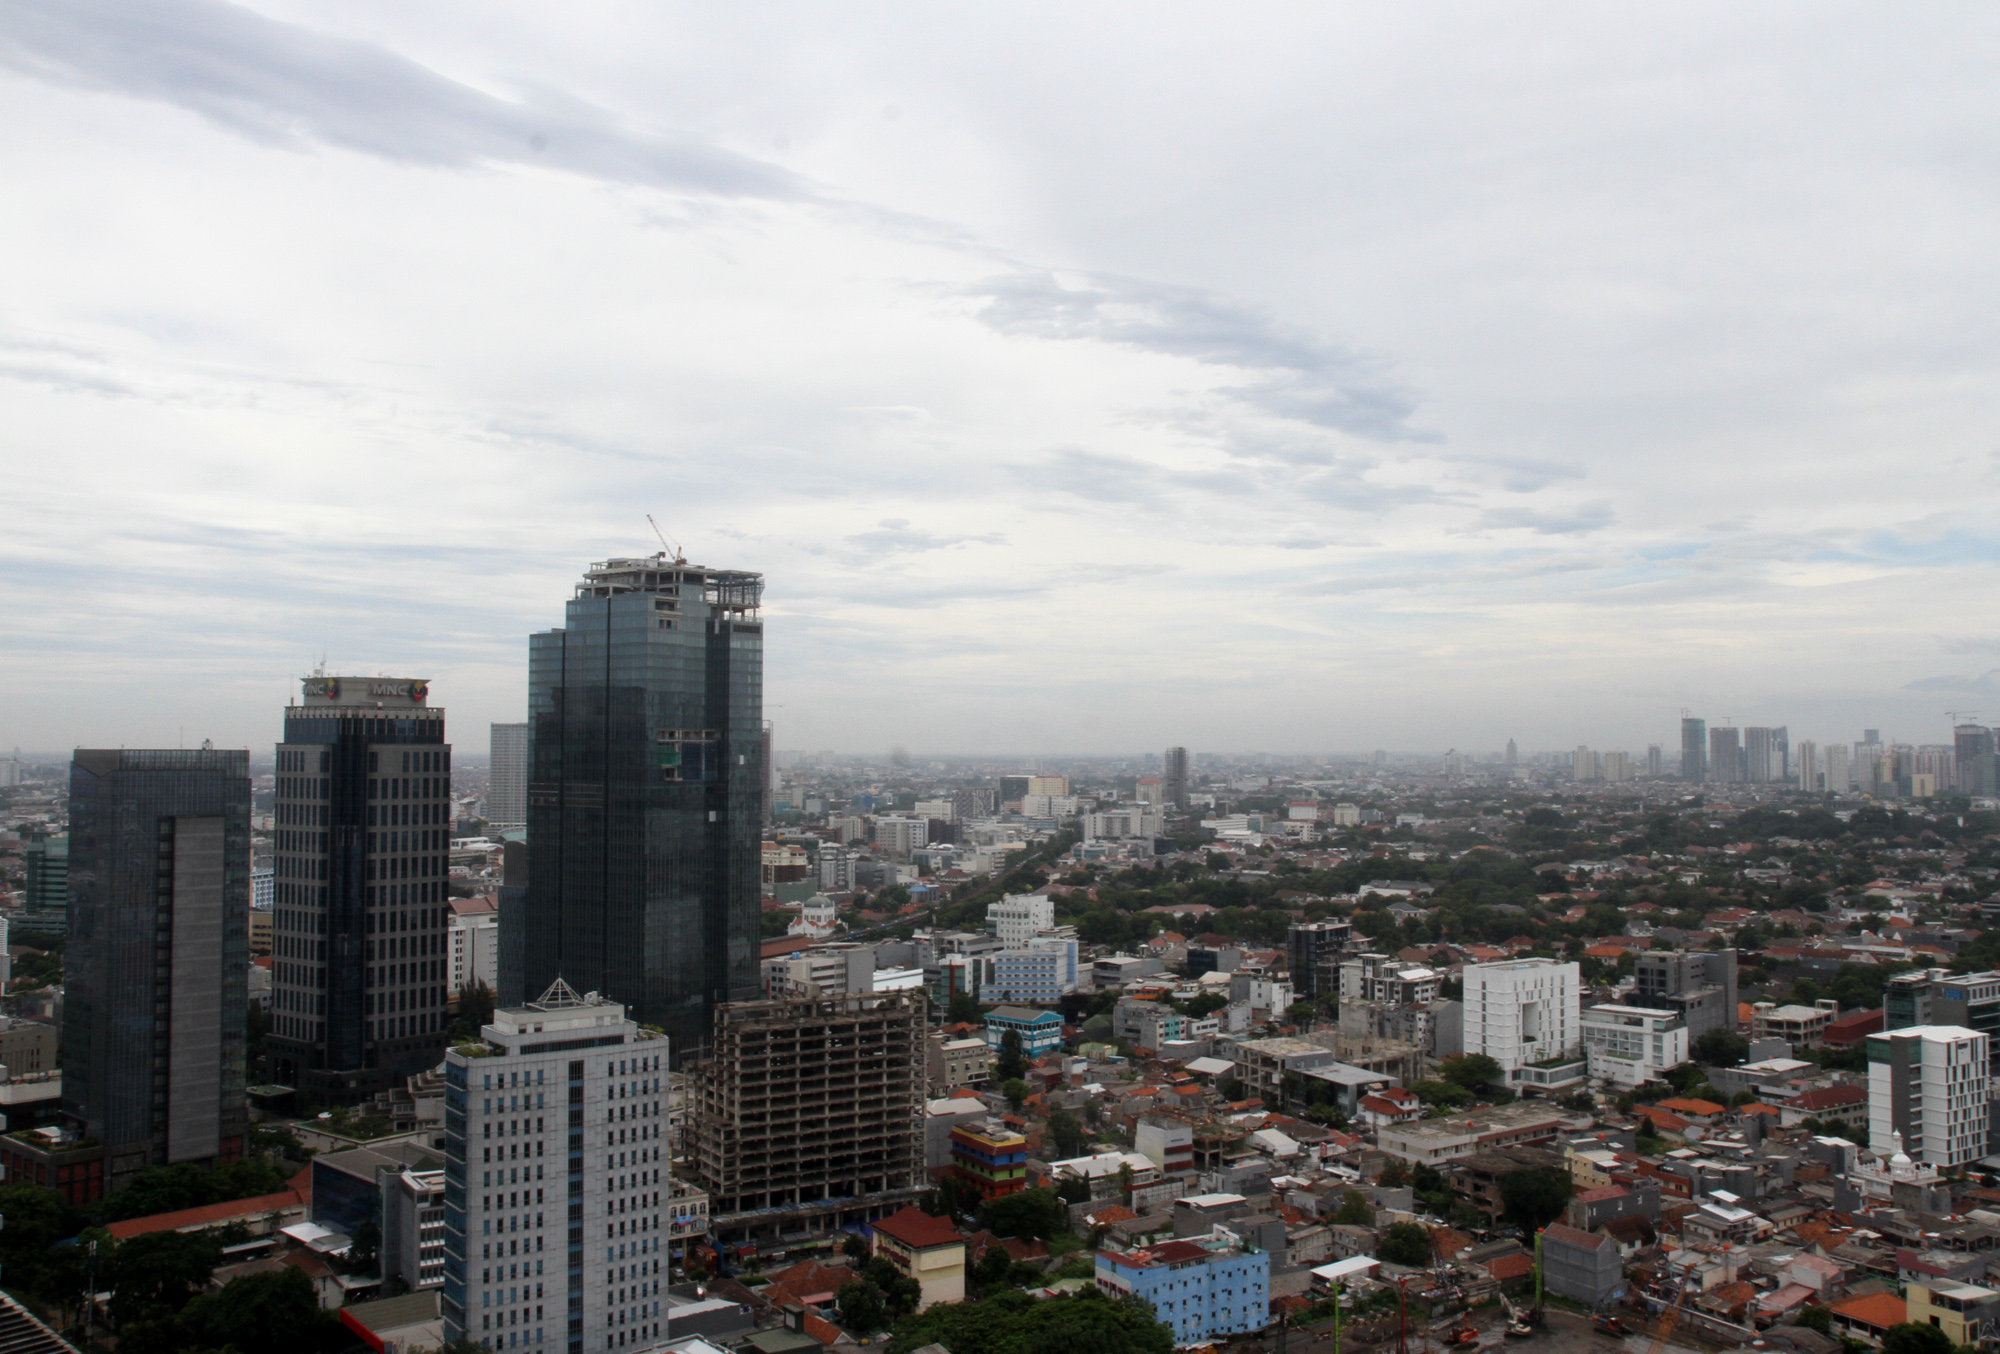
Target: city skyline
1009,396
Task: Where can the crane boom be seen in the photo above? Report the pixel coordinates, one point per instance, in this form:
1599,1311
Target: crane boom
673,551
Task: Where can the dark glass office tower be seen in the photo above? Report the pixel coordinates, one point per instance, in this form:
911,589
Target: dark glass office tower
1694,749
358,927
159,951
644,794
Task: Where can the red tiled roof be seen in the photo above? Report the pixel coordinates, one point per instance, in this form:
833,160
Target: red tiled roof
1511,1266
1570,1236
1703,1108
1880,1310
210,1215
1591,1196
916,1228
1829,1097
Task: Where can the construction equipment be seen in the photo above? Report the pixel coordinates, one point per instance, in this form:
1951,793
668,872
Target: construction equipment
1467,1334
673,551
1609,1324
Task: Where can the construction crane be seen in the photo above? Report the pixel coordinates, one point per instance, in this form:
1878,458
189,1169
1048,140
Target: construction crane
1670,1317
673,551
1961,716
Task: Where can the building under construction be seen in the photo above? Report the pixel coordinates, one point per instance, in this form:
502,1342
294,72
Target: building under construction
808,1114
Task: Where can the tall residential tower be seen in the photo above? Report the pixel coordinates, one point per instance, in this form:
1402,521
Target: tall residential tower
362,845
1174,779
507,776
644,794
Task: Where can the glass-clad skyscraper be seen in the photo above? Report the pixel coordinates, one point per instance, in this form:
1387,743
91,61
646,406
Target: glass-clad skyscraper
153,1018
646,757
363,838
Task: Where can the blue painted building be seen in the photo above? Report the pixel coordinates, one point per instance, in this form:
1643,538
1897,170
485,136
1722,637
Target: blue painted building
1203,1287
1040,1031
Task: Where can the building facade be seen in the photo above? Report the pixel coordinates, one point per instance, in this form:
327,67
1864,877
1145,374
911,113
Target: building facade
644,792
988,1159
413,1232
474,937
927,1250
1174,782
1519,1012
1694,749
556,1153
1700,985
1929,1084
156,972
1040,1031
362,836
1016,919
1632,1045
1308,945
1204,1287
804,1103
507,776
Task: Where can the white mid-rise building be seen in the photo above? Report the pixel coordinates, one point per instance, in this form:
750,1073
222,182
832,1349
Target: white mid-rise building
1931,1084
556,1152
474,943
1019,917
1631,1045
1522,1011
900,835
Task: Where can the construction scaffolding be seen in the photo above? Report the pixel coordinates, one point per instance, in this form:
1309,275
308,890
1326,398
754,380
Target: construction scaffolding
805,1102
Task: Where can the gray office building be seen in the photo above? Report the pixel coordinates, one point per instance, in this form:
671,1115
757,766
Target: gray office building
159,952
1725,755
1972,749
645,784
507,776
1694,749
1174,779
358,926
1309,946
1701,985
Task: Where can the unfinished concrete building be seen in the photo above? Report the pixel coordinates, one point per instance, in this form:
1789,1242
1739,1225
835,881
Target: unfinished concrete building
808,1114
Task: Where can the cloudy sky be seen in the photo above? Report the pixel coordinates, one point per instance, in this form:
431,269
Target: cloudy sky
1278,377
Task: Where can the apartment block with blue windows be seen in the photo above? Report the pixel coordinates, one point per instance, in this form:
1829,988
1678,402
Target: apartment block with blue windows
1204,1287
1040,1031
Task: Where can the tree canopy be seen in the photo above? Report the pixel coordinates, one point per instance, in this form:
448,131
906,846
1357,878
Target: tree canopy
1011,1322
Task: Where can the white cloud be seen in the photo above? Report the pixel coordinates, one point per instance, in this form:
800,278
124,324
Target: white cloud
1290,378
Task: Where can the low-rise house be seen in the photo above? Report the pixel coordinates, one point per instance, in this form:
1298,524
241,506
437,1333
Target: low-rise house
1475,1179
1868,1318
1631,1234
1582,1266
926,1249
1779,1303
1828,1104
1966,1313
1390,1105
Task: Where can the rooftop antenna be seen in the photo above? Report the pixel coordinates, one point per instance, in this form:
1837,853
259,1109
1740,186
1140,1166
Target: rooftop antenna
672,550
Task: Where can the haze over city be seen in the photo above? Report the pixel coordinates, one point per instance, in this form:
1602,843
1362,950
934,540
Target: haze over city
1284,380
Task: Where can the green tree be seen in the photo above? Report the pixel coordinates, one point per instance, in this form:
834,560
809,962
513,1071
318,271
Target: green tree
475,1009
276,1312
156,1274
1442,1094
1911,1338
1395,1174
1472,1071
1406,1243
1010,1065
1817,1318
364,1251
1016,1091
1354,1210
1535,1196
964,1009
1026,1213
1011,1322
900,1293
1066,1134
862,1309
1720,1047
994,1268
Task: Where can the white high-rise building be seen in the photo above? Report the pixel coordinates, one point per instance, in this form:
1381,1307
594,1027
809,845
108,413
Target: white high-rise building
1615,766
1808,760
1631,1045
507,776
1016,918
1839,769
474,935
556,1151
1522,1011
1930,1083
